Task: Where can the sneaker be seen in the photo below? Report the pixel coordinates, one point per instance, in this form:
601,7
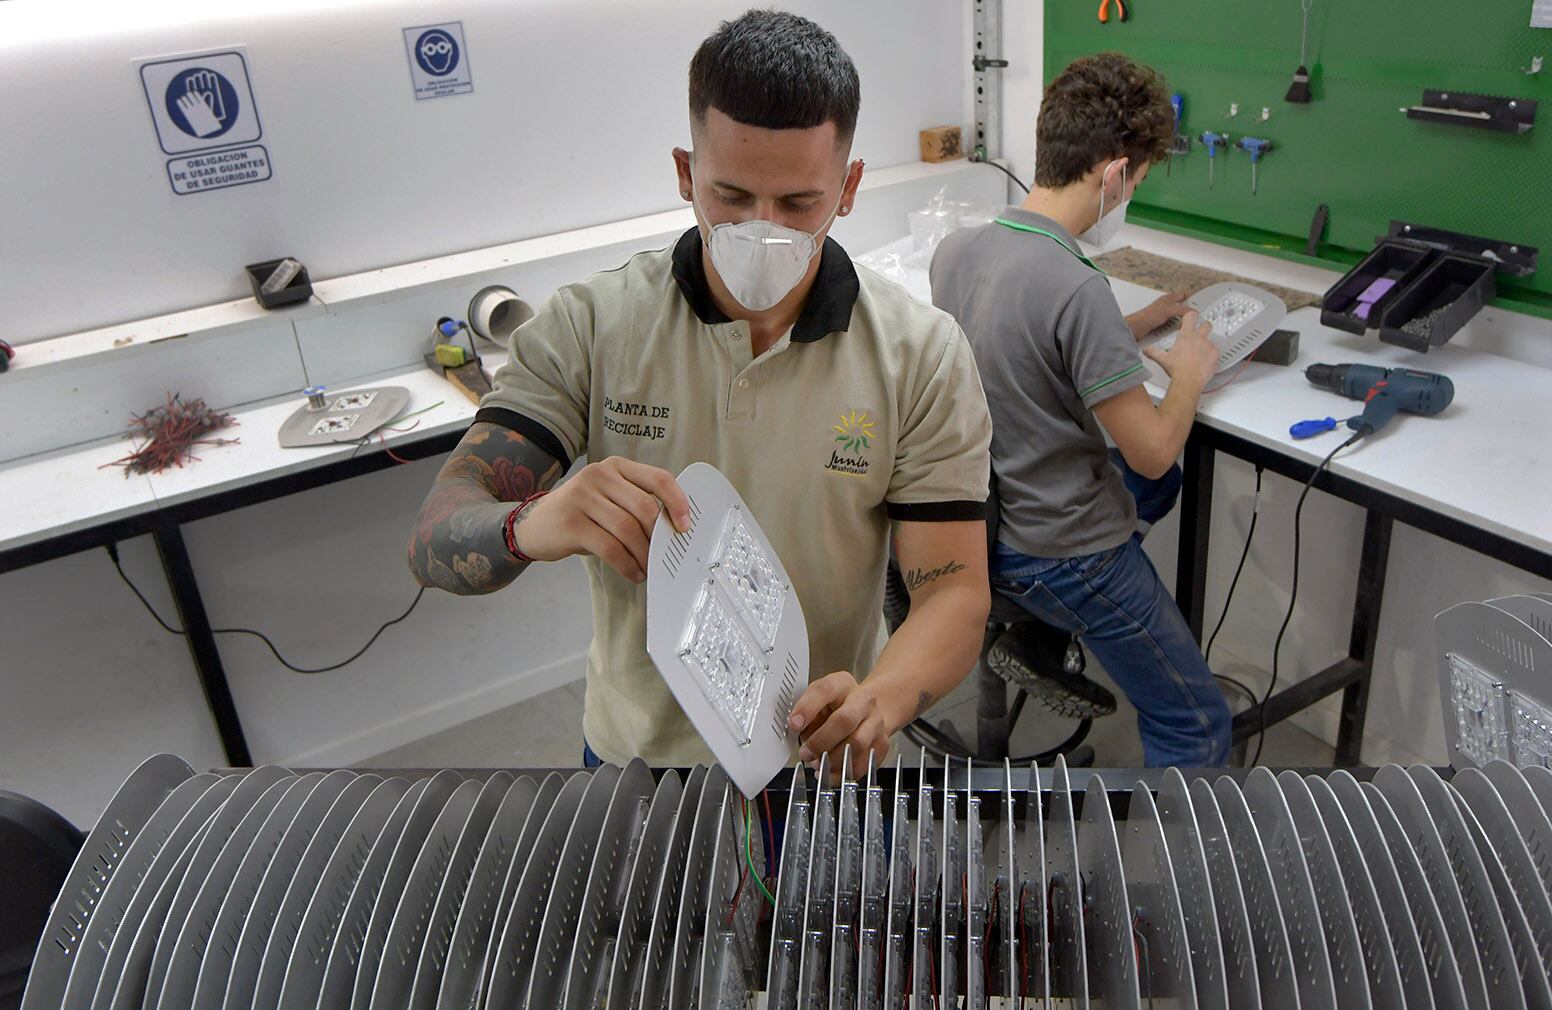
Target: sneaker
1048,665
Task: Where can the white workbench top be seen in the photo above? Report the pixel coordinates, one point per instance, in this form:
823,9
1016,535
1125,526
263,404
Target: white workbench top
59,492
1486,460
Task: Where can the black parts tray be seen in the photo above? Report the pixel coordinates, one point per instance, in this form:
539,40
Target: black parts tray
1399,261
299,290
1439,302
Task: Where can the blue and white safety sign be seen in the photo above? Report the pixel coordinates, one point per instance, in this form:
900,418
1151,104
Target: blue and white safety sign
203,109
439,60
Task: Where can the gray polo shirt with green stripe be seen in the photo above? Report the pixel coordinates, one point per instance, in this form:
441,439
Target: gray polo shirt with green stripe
1050,342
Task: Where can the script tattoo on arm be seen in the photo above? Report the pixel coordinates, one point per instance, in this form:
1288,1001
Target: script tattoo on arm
915,578
459,543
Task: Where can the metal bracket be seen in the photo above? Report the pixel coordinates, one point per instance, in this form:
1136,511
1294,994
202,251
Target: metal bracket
1512,260
988,86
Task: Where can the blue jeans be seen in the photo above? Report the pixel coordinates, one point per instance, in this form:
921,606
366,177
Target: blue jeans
589,759
1117,604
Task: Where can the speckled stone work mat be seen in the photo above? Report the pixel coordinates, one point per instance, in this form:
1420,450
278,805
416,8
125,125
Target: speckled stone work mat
1164,274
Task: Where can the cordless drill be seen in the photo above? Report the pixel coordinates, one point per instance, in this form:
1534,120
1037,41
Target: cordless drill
1383,391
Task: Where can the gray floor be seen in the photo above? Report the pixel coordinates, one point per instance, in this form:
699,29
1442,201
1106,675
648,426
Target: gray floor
546,732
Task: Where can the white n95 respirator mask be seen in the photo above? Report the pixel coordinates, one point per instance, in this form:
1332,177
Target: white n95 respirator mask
1110,218
761,261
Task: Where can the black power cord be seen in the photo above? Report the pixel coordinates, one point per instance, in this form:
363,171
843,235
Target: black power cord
1001,168
113,555
1293,595
1255,514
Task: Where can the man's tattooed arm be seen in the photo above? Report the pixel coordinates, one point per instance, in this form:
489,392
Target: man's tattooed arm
915,578
459,542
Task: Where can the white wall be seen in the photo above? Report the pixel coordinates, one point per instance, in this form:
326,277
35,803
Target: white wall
576,106
88,684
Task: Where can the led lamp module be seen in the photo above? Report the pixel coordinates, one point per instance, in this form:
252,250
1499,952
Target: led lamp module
1242,319
725,629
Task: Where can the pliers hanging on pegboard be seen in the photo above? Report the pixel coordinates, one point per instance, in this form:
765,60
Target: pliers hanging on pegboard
1123,12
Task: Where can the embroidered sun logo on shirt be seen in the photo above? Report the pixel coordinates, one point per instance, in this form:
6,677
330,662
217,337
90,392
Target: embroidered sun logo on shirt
854,432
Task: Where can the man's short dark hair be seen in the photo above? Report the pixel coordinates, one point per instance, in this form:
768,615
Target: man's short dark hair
777,71
1102,106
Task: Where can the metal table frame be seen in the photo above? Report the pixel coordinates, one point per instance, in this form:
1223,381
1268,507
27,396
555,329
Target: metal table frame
1352,674
164,524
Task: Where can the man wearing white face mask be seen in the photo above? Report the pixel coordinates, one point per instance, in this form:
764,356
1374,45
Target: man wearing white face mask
837,405
1060,363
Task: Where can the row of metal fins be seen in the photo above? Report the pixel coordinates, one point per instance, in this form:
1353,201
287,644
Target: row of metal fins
269,890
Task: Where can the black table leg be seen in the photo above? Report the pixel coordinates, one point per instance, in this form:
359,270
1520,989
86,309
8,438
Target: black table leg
1372,564
202,643
1196,494
991,714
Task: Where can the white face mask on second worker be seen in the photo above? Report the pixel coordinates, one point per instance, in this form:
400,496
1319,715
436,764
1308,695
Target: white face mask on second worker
1110,218
761,261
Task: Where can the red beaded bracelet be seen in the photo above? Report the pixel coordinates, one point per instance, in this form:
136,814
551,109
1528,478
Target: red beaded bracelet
510,526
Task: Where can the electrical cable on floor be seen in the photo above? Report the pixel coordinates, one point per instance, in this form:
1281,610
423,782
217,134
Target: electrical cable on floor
1293,594
1001,168
113,555
1255,514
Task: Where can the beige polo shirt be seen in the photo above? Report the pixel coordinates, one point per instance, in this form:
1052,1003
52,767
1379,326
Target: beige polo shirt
868,410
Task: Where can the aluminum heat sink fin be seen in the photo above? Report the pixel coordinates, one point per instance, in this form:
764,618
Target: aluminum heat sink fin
158,845
1458,822
781,983
695,894
320,922
510,877
1357,938
1034,938
1166,960
513,947
979,946
898,932
141,984
1006,977
324,843
603,899
1530,817
925,917
563,911
219,926
649,977
129,962
1270,818
1456,881
134,803
469,940
1540,781
439,918
845,890
1195,891
874,897
1311,888
646,875
1112,946
368,938
730,930
1440,916
818,894
259,918
346,946
1229,835
951,899
183,942
1384,940
1525,877
413,905
1069,946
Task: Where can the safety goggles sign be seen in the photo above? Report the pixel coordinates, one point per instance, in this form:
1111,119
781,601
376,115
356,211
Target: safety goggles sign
203,109
439,61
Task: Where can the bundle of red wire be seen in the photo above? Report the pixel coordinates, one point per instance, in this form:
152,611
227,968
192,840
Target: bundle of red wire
169,433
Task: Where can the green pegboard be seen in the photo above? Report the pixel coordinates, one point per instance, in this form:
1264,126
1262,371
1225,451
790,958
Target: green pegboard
1351,148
